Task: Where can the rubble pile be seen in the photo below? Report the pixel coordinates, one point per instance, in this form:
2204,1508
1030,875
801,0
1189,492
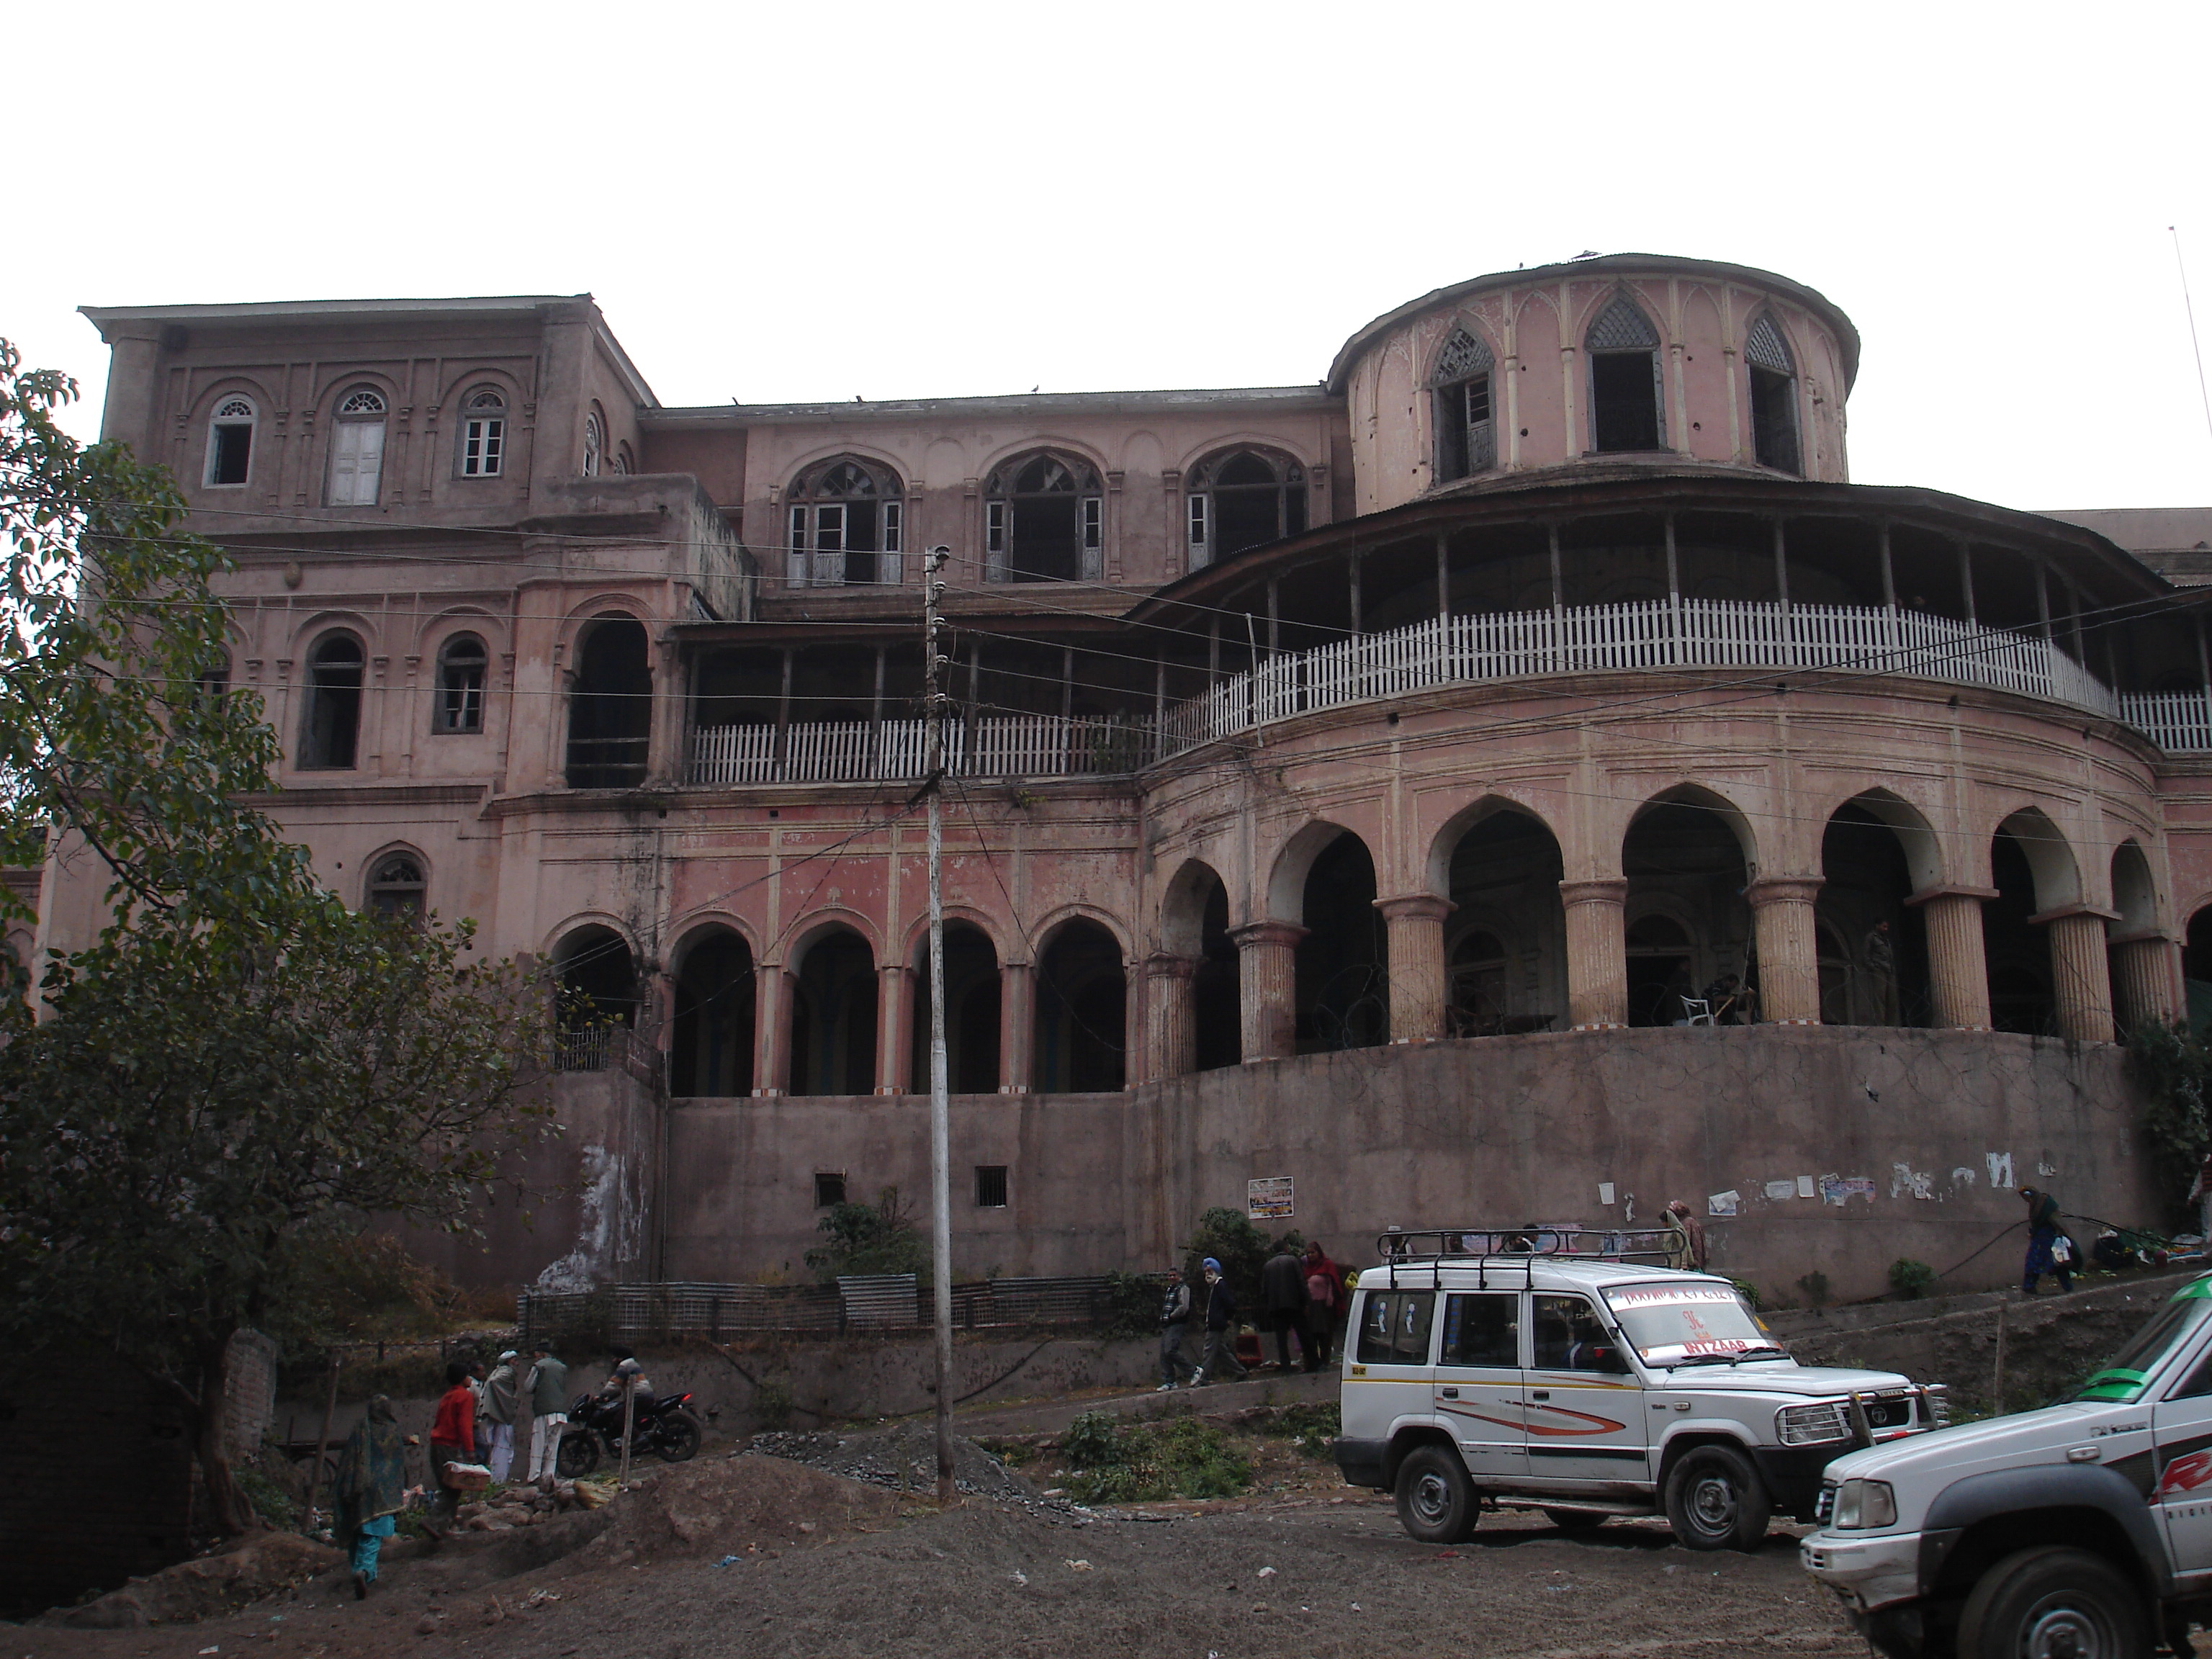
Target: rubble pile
528,1506
904,1459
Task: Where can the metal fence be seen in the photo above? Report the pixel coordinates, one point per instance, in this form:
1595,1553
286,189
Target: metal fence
870,1305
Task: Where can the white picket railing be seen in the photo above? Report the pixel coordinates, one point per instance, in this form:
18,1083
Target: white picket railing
1453,650
993,746
2178,722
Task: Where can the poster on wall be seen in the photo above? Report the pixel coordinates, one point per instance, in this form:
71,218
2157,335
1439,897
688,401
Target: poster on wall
1271,1198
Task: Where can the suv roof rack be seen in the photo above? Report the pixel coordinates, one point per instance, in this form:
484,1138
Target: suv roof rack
1560,1240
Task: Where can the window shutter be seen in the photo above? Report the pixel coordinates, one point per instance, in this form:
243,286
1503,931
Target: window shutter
1201,543
887,561
1093,565
995,516
829,544
797,574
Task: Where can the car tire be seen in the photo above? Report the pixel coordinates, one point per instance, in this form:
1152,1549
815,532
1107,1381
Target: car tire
1577,1519
2053,1600
1437,1502
1716,1500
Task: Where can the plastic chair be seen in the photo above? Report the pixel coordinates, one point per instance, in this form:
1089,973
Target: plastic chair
1700,1011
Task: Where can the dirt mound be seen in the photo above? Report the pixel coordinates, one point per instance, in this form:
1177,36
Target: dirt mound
262,1564
903,1459
744,1506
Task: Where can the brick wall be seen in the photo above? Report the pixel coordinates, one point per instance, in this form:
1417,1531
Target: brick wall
249,1395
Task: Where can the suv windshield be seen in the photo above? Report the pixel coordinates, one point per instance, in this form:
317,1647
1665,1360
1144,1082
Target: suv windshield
1670,1323
2124,1380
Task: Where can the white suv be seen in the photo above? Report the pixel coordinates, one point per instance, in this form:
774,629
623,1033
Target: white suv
1542,1368
2081,1531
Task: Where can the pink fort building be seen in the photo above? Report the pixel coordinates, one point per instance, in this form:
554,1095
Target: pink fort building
1517,775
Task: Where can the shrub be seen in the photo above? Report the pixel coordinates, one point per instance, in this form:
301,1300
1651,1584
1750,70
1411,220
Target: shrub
1748,1290
1312,1429
1132,1304
871,1238
1133,1463
1911,1278
271,1501
1816,1286
772,1404
1228,1237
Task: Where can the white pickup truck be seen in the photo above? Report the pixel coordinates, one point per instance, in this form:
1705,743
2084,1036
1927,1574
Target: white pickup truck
1543,1369
2081,1531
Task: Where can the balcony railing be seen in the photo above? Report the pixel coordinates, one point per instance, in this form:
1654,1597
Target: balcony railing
1715,633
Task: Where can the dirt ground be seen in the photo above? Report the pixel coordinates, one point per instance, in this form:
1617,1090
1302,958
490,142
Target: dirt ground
829,1566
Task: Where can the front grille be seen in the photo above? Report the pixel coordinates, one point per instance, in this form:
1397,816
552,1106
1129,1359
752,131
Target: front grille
1824,1507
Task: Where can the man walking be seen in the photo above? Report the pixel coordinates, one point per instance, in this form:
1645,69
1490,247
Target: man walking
452,1439
547,1385
1220,1354
1283,1290
1175,1330
502,1396
2049,1250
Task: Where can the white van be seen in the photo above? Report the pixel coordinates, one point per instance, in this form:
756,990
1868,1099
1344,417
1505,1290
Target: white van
1544,1368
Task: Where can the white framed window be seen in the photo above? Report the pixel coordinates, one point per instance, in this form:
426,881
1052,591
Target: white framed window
461,663
230,440
1466,437
396,887
1201,538
894,527
357,449
595,444
483,434
1094,539
847,522
1044,520
1241,499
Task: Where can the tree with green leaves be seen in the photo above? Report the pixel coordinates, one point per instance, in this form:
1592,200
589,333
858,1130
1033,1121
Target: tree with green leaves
207,1107
238,1071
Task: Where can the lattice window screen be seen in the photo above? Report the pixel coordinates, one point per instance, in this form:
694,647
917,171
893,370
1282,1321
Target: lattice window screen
1767,349
1463,354
1622,327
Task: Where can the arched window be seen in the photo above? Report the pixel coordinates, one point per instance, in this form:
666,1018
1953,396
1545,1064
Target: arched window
1624,380
1243,498
611,706
230,439
1466,437
595,443
846,523
625,463
483,433
333,730
357,448
214,678
1044,520
461,663
1773,396
396,886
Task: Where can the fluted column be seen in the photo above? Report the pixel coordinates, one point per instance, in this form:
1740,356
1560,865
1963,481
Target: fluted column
2144,991
1958,964
894,1014
1789,948
1416,925
1268,976
2081,977
1597,953
1173,1015
1017,1026
771,1030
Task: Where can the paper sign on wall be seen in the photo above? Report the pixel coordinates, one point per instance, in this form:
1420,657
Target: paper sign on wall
1779,1190
1605,1192
1723,1203
1805,1187
1270,1198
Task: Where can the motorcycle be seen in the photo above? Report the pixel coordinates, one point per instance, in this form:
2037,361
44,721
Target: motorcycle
666,1428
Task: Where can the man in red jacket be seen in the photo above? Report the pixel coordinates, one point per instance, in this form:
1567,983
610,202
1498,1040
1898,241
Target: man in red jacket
452,1437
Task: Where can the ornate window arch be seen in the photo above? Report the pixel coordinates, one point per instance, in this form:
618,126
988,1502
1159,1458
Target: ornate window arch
230,439
1466,433
1044,520
1243,498
397,886
330,737
1773,374
846,523
483,433
357,447
1626,411
595,442
463,663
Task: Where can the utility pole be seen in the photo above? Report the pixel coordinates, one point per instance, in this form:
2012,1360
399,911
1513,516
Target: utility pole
941,1176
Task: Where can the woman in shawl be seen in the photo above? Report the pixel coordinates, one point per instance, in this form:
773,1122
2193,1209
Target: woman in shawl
1686,1241
371,1488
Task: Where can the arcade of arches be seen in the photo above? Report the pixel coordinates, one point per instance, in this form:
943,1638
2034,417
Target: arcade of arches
1688,934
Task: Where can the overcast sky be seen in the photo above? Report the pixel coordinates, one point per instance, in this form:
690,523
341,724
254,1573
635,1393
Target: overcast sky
797,202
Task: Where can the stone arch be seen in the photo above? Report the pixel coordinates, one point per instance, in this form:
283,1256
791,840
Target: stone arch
915,944
1194,926
1081,1035
1437,866
1342,968
596,966
1702,798
1921,847
1182,906
1054,920
2033,871
711,1048
1877,851
610,703
2135,893
819,924
1689,853
974,1006
1500,864
1286,877
2050,856
832,972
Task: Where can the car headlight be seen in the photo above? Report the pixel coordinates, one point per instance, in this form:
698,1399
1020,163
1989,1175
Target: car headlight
1810,1425
1863,1504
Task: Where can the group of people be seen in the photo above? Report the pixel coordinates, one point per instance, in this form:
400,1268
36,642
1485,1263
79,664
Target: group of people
475,1424
1299,1295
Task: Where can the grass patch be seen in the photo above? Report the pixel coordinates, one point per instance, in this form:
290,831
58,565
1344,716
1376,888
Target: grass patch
1115,1462
1311,1430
